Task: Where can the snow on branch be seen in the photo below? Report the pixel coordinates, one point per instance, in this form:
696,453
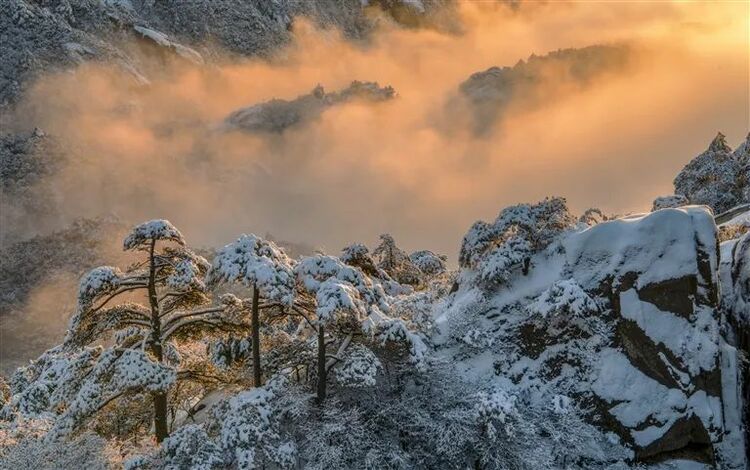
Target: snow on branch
153,230
256,261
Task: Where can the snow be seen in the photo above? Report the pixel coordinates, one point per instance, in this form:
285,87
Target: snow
535,225
96,282
715,177
359,367
395,330
695,342
428,262
639,399
256,262
740,215
157,229
736,279
185,276
564,295
313,271
497,266
277,115
658,246
247,426
334,296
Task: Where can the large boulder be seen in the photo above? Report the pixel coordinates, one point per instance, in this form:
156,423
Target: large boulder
624,318
660,376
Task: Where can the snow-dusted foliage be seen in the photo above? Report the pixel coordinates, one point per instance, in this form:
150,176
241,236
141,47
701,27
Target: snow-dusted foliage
493,92
593,216
225,352
188,447
428,262
97,282
717,177
73,386
666,202
256,262
499,262
336,297
563,297
28,451
395,261
147,353
115,373
315,271
358,368
154,230
358,255
396,330
278,115
248,429
495,250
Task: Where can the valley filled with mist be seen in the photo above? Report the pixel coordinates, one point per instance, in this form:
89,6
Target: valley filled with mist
379,234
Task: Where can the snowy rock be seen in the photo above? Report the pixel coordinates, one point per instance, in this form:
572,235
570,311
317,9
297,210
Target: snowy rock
623,317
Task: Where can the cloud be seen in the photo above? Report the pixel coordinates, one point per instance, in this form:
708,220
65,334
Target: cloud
412,165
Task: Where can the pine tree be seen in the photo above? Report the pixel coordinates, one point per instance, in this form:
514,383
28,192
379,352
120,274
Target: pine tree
260,264
145,335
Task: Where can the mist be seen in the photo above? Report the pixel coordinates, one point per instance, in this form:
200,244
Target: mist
411,166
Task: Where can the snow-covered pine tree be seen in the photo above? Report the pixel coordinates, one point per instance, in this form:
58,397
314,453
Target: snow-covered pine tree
262,265
172,278
346,304
496,249
429,263
717,177
395,261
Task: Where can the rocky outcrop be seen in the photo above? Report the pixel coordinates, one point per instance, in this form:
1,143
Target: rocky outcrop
659,276
625,318
735,289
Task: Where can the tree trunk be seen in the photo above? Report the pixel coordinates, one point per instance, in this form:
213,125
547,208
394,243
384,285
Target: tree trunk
160,398
321,364
160,416
257,375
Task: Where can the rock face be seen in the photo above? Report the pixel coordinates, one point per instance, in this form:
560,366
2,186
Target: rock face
735,289
660,377
625,319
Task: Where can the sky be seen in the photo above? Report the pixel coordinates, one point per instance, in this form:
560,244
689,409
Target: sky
413,166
